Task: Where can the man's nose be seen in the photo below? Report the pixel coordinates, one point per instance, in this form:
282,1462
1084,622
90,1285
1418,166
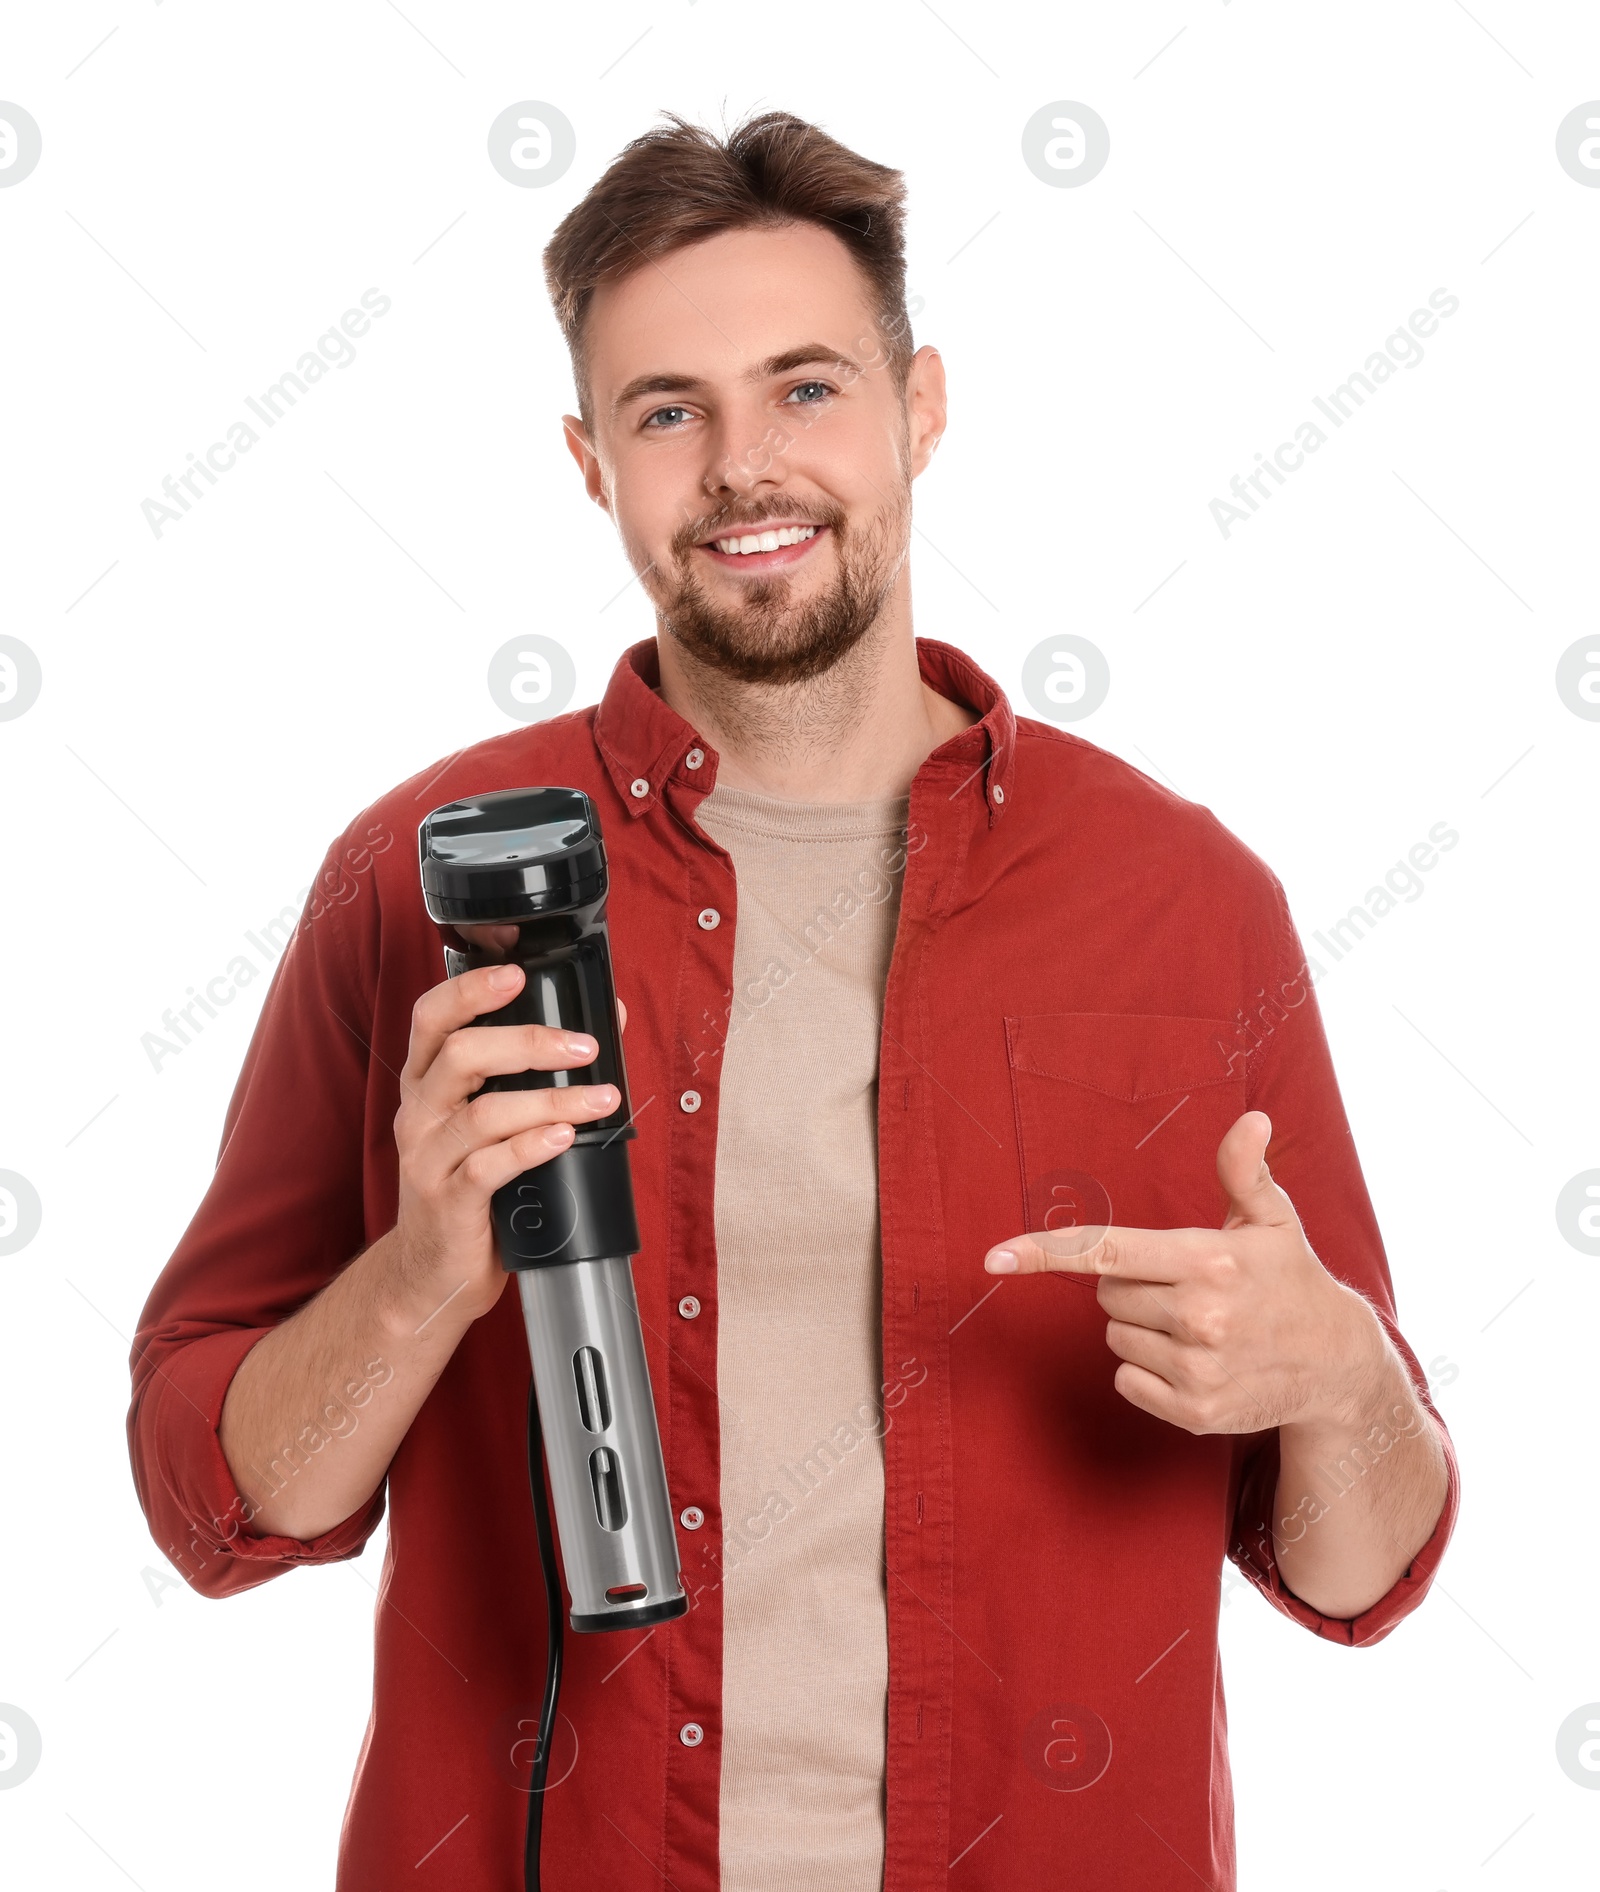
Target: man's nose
746,453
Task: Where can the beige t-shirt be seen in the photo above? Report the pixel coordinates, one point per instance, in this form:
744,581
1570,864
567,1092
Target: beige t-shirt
799,1375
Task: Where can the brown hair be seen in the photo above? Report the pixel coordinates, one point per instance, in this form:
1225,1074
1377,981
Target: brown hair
679,183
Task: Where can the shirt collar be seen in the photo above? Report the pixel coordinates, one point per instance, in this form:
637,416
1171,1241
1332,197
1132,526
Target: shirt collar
644,742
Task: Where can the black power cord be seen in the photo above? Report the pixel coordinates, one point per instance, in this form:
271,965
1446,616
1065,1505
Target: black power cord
552,1674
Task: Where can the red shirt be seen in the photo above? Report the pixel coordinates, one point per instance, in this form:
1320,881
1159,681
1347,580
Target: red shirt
1091,980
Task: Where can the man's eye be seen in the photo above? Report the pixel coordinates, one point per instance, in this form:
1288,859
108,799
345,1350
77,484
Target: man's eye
822,391
673,414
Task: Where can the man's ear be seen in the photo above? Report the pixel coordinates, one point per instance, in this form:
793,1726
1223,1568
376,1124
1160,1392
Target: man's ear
925,406
588,460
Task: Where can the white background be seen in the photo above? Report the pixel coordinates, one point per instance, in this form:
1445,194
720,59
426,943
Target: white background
1374,652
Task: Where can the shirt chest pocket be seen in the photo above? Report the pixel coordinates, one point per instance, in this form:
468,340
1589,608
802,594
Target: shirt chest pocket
1119,1114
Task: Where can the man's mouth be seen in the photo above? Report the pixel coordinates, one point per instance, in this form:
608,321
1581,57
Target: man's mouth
763,548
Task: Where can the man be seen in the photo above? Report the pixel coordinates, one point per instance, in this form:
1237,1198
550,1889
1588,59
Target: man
906,976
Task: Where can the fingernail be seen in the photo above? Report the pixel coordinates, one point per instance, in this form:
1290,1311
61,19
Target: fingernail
558,1133
581,1045
599,1094
1001,1261
504,976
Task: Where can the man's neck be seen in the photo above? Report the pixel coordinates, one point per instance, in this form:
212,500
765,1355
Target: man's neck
859,732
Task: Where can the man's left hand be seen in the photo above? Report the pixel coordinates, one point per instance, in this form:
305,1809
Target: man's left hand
1236,1329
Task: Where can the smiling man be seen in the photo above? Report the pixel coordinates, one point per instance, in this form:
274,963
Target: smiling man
925,998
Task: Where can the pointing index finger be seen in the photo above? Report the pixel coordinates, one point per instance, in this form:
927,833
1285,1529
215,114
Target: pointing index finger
1139,1254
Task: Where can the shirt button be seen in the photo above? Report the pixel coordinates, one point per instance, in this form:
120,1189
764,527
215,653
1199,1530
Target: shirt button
691,1734
690,1100
709,917
691,1517
689,1307
999,792
694,758
640,787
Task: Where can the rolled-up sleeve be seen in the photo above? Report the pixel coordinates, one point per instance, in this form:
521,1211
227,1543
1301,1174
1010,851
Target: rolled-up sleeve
1290,1075
283,1213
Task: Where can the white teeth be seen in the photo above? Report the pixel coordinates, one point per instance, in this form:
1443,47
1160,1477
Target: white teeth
766,541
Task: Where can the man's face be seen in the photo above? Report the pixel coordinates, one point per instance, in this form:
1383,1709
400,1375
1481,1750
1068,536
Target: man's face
740,388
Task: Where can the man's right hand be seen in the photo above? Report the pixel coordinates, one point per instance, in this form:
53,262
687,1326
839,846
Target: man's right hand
455,1153
302,1457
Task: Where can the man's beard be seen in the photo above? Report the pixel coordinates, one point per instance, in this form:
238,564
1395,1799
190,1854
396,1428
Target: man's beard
768,638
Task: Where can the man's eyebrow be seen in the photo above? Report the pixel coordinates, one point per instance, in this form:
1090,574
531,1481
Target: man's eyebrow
804,356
